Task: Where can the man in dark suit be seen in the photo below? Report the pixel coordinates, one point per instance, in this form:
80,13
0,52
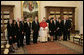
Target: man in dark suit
35,29
18,34
10,34
10,31
65,28
55,27
48,19
69,27
27,31
22,30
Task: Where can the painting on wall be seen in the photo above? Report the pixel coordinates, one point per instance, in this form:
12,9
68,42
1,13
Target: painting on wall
30,9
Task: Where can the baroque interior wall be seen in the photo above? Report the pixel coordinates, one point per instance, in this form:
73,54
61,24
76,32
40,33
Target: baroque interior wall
80,15
58,3
17,9
78,10
77,4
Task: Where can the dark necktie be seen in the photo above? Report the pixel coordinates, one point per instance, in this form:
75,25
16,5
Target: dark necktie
55,22
22,22
10,25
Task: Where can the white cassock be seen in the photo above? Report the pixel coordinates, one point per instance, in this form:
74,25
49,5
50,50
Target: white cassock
43,34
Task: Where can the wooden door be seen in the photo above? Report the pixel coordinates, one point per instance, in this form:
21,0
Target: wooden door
6,14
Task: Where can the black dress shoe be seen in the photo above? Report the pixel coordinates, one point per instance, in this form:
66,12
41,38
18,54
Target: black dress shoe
69,39
19,47
27,43
12,51
64,40
35,43
23,45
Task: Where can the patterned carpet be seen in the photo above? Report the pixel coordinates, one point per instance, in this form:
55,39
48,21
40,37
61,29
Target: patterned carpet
56,47
73,46
49,48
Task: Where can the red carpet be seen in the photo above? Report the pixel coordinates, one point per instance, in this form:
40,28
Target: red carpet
48,48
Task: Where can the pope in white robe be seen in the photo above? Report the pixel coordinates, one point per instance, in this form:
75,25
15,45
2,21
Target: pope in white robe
43,31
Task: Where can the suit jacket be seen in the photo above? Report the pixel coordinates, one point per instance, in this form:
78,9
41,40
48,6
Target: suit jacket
60,26
18,29
35,27
10,29
27,28
22,26
51,26
65,26
15,29
48,21
69,24
56,25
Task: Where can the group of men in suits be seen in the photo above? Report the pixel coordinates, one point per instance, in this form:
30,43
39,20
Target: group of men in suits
17,30
61,28
66,28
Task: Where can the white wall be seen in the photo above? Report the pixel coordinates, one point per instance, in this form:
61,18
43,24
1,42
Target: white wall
80,15
17,9
55,3
59,3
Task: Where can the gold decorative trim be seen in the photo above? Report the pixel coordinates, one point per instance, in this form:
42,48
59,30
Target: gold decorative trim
21,8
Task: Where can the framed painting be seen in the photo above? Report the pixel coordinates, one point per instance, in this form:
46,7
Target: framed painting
30,9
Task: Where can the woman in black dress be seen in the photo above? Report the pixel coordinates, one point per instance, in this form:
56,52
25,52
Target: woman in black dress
59,29
51,28
15,30
10,34
14,33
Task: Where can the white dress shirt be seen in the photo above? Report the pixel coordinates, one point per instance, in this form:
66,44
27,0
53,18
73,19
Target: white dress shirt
36,22
54,22
64,22
28,23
